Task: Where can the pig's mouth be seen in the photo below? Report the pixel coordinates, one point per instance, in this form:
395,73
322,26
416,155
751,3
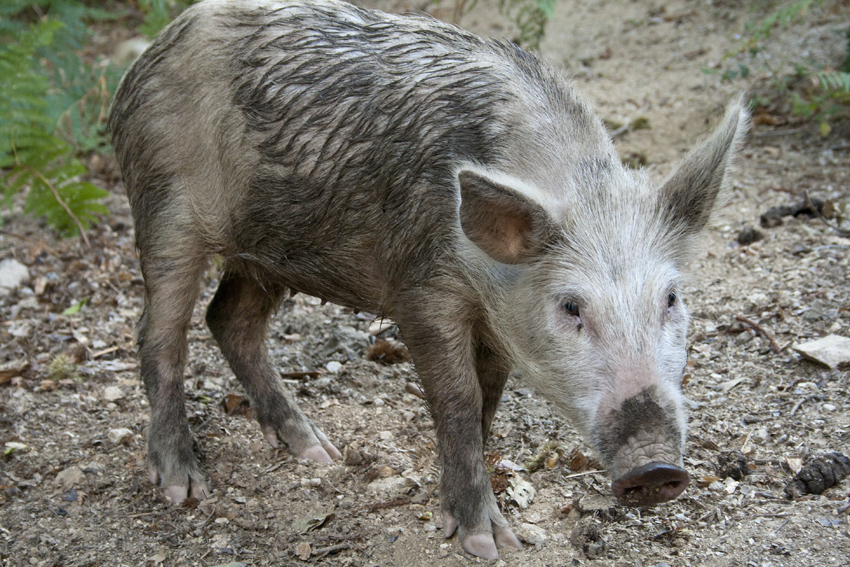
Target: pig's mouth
650,484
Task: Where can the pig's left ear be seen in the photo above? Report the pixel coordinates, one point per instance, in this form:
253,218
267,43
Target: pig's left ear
503,216
689,196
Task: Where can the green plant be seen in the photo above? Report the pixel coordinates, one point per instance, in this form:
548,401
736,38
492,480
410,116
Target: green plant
159,13
530,17
808,88
834,81
62,368
30,154
756,33
783,16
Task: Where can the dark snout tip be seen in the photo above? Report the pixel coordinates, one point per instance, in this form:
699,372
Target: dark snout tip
650,484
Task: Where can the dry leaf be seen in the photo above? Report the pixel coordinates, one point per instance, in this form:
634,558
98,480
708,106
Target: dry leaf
314,521
795,464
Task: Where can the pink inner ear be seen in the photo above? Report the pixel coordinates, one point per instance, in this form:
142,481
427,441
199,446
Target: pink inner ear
501,232
509,235
501,220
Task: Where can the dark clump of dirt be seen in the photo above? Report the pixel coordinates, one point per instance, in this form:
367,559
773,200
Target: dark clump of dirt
810,207
732,464
819,475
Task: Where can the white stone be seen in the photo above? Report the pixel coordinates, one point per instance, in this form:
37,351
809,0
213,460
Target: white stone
389,487
12,275
21,328
333,366
120,436
112,393
531,534
831,351
521,491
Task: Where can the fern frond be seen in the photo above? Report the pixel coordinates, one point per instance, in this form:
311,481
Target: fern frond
30,155
834,81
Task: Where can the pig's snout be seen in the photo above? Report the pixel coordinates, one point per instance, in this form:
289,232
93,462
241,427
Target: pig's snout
650,484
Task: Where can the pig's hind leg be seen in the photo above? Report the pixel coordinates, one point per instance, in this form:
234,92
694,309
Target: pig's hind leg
492,375
238,318
172,272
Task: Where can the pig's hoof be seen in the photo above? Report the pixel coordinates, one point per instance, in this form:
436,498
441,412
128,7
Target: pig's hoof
197,488
331,450
316,453
322,452
481,545
505,537
484,545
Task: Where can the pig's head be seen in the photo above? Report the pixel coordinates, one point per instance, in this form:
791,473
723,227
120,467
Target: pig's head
593,314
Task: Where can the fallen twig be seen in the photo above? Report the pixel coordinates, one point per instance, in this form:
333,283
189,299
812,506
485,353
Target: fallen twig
780,527
801,402
771,133
679,16
707,515
104,351
759,329
388,504
323,551
586,473
820,215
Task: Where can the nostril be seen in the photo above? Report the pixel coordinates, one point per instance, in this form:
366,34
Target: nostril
650,484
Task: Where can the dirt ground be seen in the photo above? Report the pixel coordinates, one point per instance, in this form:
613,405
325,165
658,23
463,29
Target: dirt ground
73,486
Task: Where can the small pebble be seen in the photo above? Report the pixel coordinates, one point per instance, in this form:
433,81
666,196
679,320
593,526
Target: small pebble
531,534
70,477
112,393
120,436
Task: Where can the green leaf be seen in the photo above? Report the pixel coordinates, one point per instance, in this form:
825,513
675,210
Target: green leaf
12,446
75,307
834,81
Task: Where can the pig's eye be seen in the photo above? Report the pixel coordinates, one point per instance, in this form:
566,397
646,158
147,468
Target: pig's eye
571,307
671,299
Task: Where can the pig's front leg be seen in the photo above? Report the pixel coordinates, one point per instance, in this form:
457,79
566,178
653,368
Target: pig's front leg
444,352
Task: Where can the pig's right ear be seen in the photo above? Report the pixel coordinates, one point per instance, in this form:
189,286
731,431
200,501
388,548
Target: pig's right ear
689,196
503,216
